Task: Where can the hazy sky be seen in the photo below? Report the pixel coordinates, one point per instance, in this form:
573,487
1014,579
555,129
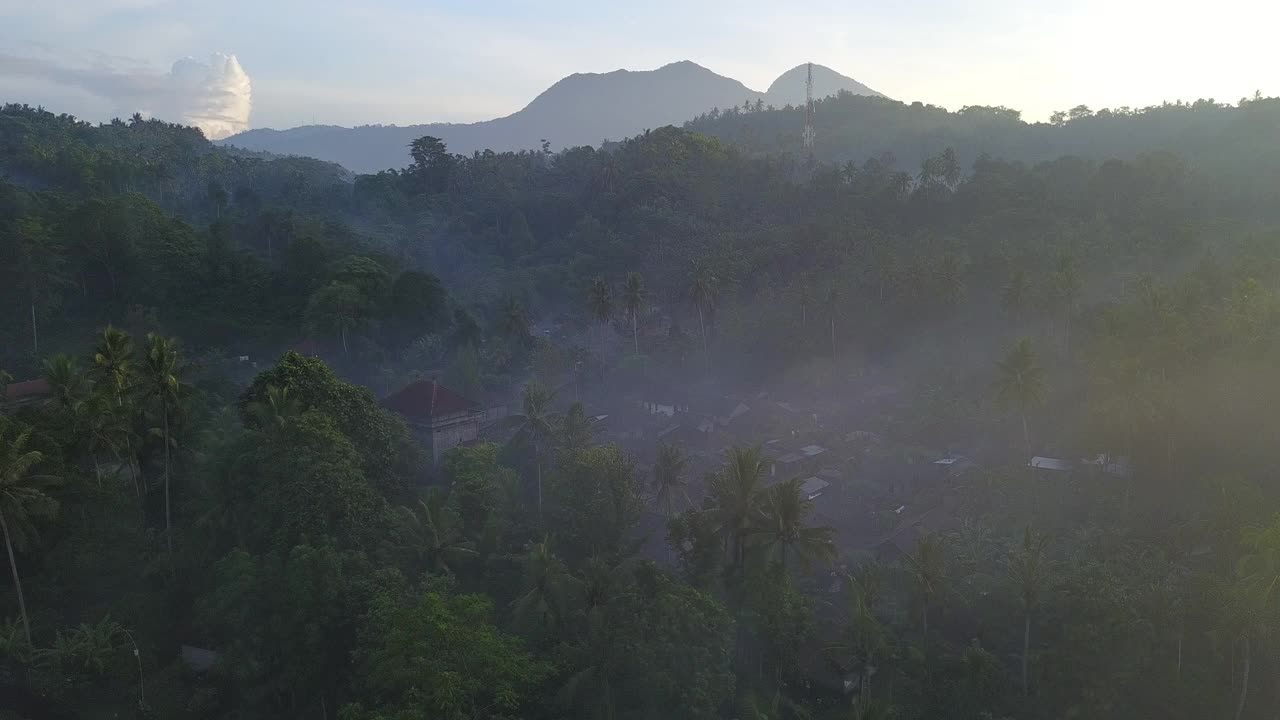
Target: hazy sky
401,61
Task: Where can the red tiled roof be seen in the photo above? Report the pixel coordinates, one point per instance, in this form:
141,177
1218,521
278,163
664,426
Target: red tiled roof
26,389
307,347
427,399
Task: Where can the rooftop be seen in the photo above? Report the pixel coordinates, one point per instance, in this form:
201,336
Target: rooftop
813,487
26,390
1048,463
428,399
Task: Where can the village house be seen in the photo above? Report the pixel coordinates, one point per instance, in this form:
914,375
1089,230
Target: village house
440,418
27,392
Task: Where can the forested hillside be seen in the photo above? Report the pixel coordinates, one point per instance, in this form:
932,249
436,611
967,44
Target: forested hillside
190,534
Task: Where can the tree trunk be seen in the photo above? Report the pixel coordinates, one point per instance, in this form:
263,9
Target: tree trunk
97,466
924,616
138,487
17,583
344,342
168,528
1026,650
35,336
1180,630
635,330
833,336
1026,435
1244,677
537,464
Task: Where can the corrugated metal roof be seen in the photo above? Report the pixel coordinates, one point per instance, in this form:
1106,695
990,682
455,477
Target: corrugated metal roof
1048,463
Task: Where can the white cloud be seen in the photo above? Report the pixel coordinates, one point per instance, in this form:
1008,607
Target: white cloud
215,96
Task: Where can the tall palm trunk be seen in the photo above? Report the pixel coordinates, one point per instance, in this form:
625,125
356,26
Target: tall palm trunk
35,336
17,583
168,528
344,341
635,330
1026,650
924,624
1244,677
537,464
833,336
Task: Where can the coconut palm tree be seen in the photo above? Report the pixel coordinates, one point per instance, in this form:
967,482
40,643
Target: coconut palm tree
575,430
1021,383
1029,569
1015,296
865,638
513,321
116,374
600,307
634,297
430,537
162,386
536,426
275,409
926,566
22,499
738,491
782,529
547,588
1256,594
832,302
703,289
70,391
113,361
669,481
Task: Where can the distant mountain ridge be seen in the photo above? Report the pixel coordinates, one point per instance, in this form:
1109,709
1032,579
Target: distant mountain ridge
581,109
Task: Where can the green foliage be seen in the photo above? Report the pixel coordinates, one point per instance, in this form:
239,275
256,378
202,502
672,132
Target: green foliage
387,456
436,655
598,501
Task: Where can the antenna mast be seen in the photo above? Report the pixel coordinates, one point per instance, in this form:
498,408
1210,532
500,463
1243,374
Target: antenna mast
809,132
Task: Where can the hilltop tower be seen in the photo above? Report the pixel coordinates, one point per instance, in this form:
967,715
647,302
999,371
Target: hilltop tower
809,132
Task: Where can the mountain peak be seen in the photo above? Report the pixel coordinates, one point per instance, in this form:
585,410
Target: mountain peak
580,109
789,87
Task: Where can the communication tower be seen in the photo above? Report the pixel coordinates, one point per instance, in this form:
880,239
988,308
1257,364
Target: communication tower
809,132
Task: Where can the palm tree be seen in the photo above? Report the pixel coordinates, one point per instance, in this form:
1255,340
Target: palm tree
865,639
1066,284
274,410
113,364
739,496
1257,592
600,306
69,387
1015,296
73,397
22,498
1021,383
703,288
162,385
1029,570
832,301
927,569
535,426
575,431
782,528
546,589
634,297
513,320
430,536
113,360
668,477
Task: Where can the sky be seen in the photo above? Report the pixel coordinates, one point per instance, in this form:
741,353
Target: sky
228,65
